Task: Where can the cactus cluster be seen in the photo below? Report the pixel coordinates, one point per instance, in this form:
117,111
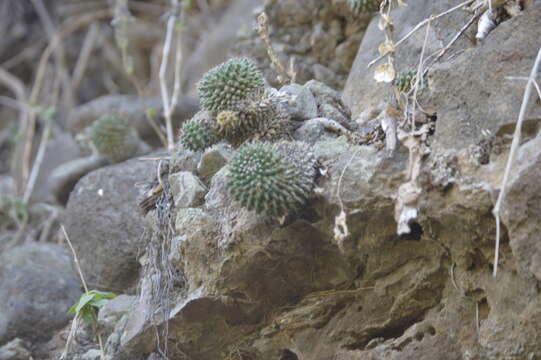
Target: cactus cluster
197,135
238,108
363,6
274,179
235,80
113,137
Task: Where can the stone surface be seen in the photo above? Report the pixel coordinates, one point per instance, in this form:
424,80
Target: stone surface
523,205
187,189
213,160
38,286
111,313
104,225
361,91
15,350
321,35
304,106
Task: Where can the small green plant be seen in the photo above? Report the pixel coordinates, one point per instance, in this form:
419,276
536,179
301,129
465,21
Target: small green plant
363,6
86,308
89,302
404,81
114,138
196,135
225,85
274,179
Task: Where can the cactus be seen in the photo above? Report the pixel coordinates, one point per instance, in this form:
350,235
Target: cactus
225,85
403,82
274,179
114,138
363,6
197,135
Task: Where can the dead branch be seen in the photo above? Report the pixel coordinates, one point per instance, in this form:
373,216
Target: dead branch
284,76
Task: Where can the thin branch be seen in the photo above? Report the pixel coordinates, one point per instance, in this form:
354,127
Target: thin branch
75,258
39,160
263,30
84,55
512,154
420,25
167,101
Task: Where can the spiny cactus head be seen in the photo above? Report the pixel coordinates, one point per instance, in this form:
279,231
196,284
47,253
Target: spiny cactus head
272,179
235,80
196,135
363,6
113,137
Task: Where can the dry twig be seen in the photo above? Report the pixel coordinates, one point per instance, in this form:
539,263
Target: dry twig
512,154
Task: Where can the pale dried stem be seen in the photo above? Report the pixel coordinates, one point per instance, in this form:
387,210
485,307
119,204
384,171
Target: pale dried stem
168,103
86,50
419,26
512,154
418,77
38,161
263,30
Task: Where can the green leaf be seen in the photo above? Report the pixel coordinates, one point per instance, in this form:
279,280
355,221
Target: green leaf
73,308
85,299
99,303
152,112
87,314
102,294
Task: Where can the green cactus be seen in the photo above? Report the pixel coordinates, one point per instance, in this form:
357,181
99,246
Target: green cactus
113,137
225,85
363,6
274,179
404,80
197,135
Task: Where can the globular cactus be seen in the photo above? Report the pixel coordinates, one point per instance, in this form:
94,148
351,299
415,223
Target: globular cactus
197,135
363,6
274,179
225,85
404,80
113,137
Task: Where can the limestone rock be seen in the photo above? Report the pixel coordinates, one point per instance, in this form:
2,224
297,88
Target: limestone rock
187,189
304,105
38,287
213,160
14,350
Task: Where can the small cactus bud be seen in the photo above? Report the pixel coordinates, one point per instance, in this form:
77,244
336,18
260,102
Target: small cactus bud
114,138
196,135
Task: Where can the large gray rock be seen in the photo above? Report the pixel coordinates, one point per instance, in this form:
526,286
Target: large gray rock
470,93
104,224
15,350
38,287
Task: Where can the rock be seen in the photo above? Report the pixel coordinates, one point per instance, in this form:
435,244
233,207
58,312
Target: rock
213,160
38,287
322,36
522,207
311,131
92,354
304,105
134,109
64,177
470,94
361,90
15,350
111,313
188,190
104,225
328,102
184,160
61,149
